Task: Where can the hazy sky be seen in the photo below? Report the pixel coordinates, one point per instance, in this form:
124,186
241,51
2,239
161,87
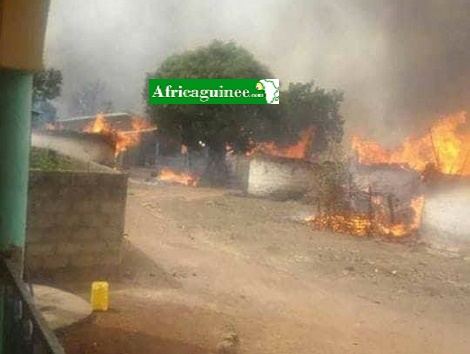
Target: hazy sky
396,60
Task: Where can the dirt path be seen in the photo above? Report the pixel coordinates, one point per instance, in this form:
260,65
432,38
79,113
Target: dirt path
203,265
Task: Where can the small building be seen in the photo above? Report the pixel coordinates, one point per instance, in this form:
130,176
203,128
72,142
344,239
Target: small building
272,177
141,154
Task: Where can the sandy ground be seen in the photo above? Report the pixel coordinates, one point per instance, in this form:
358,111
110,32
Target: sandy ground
206,271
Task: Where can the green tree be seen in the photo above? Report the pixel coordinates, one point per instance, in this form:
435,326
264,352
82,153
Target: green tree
215,125
48,83
304,105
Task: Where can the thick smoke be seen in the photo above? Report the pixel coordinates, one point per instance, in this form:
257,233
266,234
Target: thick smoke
401,63
431,59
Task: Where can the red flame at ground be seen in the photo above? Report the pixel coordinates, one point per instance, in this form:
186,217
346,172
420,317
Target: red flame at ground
362,225
169,175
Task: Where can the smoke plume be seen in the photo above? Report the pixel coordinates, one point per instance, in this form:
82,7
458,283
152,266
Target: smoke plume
401,63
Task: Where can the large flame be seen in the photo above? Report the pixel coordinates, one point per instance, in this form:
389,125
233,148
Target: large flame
296,151
446,146
123,139
167,174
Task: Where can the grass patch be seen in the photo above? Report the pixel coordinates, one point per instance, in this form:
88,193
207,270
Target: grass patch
49,160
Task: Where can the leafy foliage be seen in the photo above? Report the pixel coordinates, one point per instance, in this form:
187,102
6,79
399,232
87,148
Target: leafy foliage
216,125
47,83
49,160
304,105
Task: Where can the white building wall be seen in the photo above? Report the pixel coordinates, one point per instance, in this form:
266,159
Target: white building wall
278,178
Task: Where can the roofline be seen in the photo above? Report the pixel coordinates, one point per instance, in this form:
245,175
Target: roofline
106,115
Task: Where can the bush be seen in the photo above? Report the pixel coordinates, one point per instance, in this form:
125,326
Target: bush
49,160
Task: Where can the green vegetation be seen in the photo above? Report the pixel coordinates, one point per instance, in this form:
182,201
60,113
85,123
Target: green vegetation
49,160
48,83
302,106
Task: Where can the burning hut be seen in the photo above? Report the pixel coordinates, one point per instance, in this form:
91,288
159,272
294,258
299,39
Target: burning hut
133,137
440,159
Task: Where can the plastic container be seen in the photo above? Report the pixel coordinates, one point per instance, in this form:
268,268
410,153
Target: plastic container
99,295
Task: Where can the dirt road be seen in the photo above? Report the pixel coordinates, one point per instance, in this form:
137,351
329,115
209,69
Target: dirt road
210,272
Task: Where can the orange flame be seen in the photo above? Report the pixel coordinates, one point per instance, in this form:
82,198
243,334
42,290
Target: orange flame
99,126
362,225
296,151
446,145
123,139
169,175
356,224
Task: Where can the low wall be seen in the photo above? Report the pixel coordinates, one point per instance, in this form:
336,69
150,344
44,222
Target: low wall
79,145
75,219
239,167
445,219
279,178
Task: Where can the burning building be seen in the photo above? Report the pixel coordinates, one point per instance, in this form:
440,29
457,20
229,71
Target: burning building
132,137
440,159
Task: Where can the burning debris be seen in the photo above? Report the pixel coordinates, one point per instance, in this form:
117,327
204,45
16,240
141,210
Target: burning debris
123,140
380,219
385,197
366,200
169,175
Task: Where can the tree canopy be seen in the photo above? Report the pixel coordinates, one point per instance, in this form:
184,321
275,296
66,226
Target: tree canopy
304,105
47,83
215,125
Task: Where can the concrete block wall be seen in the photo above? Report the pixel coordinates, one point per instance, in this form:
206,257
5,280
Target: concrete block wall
75,219
239,167
280,178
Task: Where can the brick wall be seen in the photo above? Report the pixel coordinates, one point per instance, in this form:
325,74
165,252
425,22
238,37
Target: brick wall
280,178
75,219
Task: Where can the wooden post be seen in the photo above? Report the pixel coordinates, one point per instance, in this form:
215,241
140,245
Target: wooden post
390,207
371,211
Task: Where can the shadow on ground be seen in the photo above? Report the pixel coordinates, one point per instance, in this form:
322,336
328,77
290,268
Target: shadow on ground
106,340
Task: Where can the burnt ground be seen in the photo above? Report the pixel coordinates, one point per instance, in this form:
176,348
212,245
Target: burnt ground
202,265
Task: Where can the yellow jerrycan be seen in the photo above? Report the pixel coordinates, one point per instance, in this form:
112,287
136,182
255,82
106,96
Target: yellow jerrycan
99,295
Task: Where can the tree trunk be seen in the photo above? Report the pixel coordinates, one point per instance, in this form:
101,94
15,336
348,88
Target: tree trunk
216,173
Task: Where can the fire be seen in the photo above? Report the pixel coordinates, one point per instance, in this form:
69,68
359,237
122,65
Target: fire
296,151
362,225
357,224
169,175
99,126
403,229
446,146
123,139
